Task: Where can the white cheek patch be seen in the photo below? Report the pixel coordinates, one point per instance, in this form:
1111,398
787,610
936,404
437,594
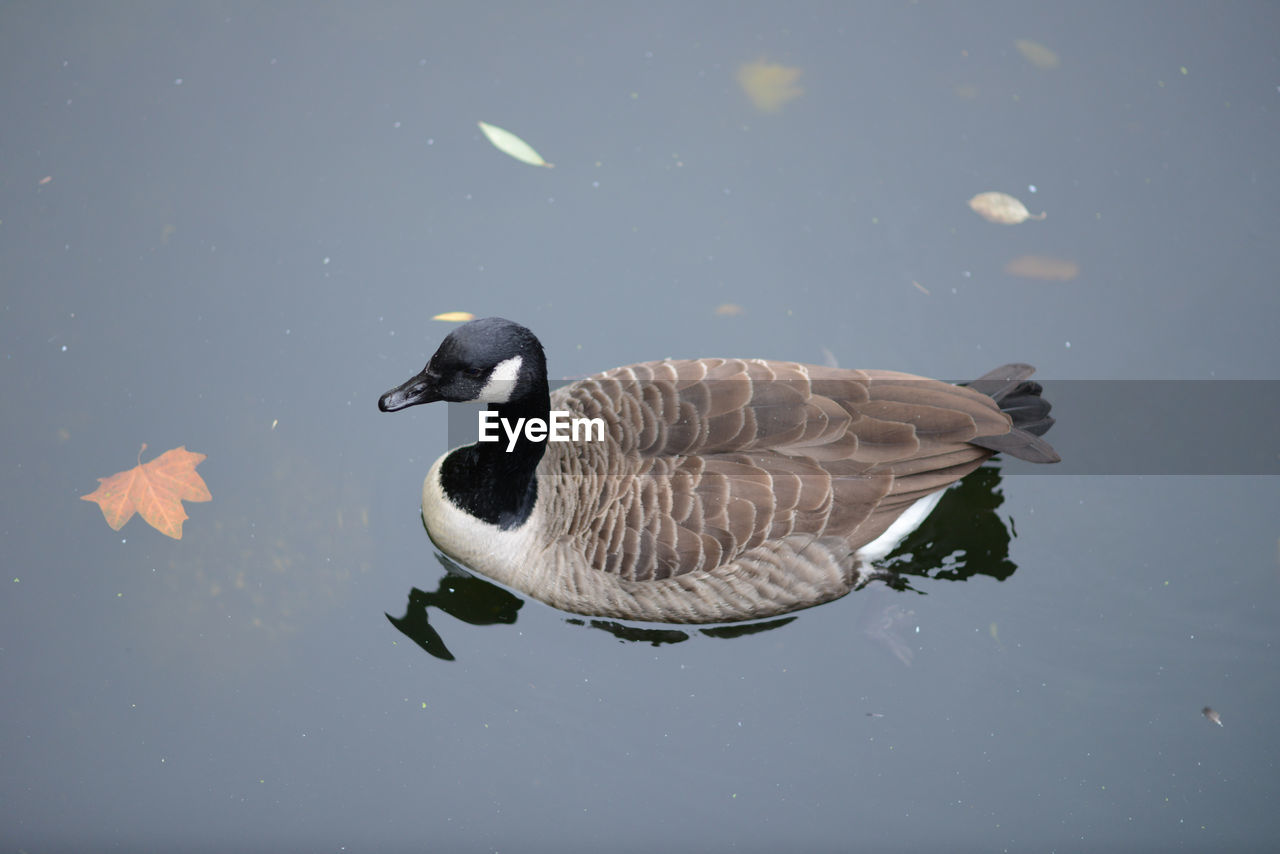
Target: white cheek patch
502,381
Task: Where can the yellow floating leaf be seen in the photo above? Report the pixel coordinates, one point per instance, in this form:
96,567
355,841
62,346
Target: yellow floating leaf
1043,267
1037,54
511,145
769,85
729,309
1002,208
455,316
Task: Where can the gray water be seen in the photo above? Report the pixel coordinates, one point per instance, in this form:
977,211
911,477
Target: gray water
252,212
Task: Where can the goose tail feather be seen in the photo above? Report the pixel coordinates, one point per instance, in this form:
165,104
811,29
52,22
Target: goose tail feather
1020,399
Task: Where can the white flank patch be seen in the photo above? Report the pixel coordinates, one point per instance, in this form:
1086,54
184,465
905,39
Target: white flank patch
911,518
502,381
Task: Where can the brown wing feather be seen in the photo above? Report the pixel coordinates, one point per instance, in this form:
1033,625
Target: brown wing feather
715,457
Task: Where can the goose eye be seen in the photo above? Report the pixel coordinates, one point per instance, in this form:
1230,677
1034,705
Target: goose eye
473,373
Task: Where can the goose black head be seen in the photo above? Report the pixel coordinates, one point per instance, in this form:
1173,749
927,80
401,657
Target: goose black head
491,360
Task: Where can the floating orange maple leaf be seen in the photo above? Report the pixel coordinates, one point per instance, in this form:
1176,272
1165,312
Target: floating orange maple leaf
156,489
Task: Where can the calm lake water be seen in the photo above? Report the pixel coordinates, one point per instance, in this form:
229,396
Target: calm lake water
226,226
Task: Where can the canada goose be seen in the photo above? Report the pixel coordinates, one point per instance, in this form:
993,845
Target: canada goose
721,490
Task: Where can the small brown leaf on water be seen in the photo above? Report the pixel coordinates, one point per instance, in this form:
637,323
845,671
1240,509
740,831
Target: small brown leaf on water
156,489
1037,54
729,309
769,85
1212,715
1043,267
1002,208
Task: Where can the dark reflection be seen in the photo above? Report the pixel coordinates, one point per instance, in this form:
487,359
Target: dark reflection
415,627
459,594
622,631
741,630
659,636
963,537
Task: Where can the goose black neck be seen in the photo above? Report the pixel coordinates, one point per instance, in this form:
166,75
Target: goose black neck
492,483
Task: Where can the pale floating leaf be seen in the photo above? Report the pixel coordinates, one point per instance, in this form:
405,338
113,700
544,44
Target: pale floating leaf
921,288
769,85
511,145
1043,267
1002,208
1037,54
729,309
455,316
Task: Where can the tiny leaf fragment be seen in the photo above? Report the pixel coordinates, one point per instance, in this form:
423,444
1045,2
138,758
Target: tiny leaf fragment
455,316
769,85
511,145
1043,267
1002,208
1037,54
